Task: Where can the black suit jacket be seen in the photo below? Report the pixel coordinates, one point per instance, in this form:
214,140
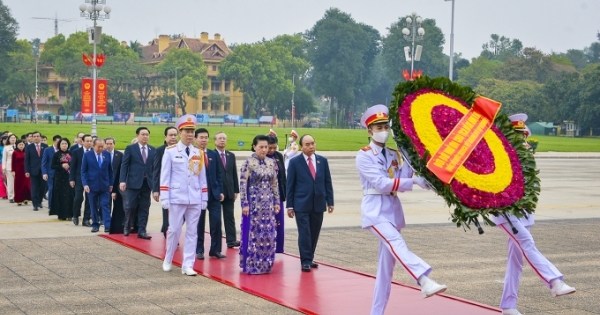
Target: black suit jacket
229,175
133,168
213,176
281,178
116,164
33,162
160,151
75,165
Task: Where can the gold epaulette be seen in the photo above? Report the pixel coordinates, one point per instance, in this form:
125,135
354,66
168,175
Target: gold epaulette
171,146
392,149
367,148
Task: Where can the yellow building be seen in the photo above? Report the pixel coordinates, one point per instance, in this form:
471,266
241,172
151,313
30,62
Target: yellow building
212,51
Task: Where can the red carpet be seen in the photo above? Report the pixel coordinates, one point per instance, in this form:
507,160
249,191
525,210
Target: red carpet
326,290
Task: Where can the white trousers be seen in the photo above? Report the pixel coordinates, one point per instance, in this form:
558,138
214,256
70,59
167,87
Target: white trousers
10,185
392,249
521,245
177,213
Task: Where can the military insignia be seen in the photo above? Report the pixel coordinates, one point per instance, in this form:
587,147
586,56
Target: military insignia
367,148
171,146
380,115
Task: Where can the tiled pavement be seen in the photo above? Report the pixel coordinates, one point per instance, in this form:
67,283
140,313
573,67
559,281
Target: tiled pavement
91,275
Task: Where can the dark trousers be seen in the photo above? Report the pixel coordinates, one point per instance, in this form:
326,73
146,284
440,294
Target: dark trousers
165,225
309,226
100,208
50,184
138,199
214,221
78,200
229,220
38,189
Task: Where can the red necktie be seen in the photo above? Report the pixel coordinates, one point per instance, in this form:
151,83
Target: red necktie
205,159
311,168
223,158
38,149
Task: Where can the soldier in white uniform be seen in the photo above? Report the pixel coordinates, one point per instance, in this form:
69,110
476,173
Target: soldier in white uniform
382,175
184,191
522,245
292,149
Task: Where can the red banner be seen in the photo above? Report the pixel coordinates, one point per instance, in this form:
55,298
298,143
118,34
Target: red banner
463,139
101,96
87,94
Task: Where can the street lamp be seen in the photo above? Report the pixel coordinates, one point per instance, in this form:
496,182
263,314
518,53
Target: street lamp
92,11
413,32
451,71
293,93
35,111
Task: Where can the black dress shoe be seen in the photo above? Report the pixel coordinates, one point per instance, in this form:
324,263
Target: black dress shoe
217,255
106,229
76,221
86,223
35,208
95,229
314,265
11,201
126,231
234,244
200,256
306,268
144,236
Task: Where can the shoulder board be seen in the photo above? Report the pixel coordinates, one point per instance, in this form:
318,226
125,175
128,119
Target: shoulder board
367,148
391,149
171,146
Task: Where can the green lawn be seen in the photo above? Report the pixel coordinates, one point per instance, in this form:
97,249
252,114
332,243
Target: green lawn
327,139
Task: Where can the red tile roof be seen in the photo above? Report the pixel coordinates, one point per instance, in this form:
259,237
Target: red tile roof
214,50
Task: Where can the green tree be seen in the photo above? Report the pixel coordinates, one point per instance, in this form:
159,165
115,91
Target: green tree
588,113
531,65
433,61
577,57
559,98
146,79
191,74
8,37
479,69
515,96
136,47
341,52
120,71
19,85
501,48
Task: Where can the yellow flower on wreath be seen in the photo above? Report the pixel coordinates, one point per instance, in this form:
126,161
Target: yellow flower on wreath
496,182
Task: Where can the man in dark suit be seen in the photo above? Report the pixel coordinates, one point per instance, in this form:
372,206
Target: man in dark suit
78,143
309,194
215,187
97,179
117,196
136,179
33,169
170,140
47,171
231,187
75,181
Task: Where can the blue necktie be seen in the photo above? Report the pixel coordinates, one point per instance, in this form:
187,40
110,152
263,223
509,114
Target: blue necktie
99,161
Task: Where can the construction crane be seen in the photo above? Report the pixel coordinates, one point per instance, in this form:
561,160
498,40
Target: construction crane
56,19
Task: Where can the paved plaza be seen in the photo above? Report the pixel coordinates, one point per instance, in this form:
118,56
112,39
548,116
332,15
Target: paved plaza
53,267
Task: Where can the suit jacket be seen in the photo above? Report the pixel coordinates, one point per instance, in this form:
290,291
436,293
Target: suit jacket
74,147
97,177
47,161
133,168
281,178
75,165
305,193
229,175
213,175
116,165
158,155
33,161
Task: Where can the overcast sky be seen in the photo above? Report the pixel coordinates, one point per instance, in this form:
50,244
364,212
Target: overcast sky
549,25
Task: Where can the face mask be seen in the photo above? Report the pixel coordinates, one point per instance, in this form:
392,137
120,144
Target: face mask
381,136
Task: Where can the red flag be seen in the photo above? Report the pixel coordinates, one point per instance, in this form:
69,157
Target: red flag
100,60
86,60
405,75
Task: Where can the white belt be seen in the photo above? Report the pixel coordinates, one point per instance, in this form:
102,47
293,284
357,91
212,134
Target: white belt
373,191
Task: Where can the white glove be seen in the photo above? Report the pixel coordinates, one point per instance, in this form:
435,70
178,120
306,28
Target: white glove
421,182
165,204
203,205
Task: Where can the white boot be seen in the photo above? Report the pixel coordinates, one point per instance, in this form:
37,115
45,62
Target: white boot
511,311
188,271
560,288
166,267
430,287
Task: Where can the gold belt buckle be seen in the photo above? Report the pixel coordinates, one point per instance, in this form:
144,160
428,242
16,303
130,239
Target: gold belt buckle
393,193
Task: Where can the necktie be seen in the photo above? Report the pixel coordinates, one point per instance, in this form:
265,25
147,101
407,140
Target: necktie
383,154
99,161
144,154
311,168
38,149
223,159
187,151
205,160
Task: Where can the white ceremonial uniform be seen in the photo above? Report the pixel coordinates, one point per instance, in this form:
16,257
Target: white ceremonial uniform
522,245
382,175
291,152
183,183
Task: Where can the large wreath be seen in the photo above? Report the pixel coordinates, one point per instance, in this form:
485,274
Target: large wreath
498,178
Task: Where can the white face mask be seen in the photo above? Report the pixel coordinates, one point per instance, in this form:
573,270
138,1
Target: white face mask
381,136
